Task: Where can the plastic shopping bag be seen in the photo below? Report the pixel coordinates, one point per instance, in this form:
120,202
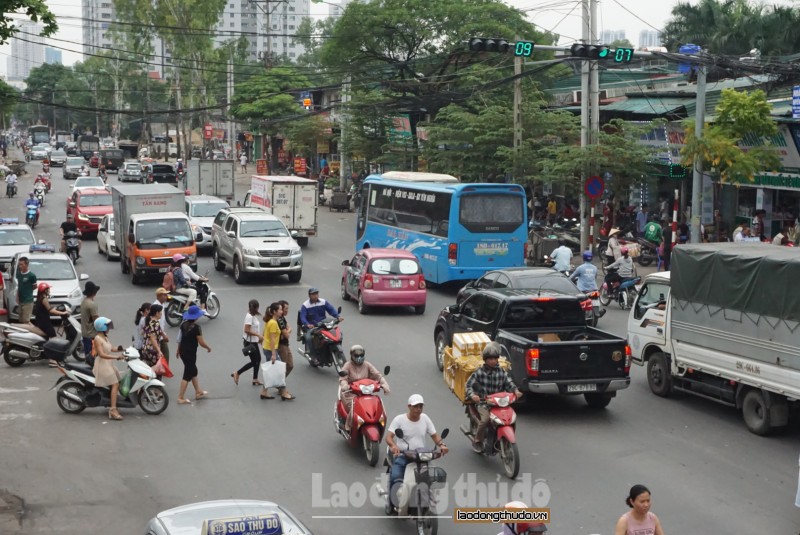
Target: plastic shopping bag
162,368
125,384
274,374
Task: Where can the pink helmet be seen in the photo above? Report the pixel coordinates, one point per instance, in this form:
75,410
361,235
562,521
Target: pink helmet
624,251
177,257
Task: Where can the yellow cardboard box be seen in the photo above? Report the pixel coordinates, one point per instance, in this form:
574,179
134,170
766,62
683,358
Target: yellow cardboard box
469,343
457,370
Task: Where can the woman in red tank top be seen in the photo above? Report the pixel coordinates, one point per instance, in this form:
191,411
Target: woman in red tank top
638,521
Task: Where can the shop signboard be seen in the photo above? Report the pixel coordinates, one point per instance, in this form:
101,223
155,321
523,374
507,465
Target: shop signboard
261,167
300,166
208,131
323,147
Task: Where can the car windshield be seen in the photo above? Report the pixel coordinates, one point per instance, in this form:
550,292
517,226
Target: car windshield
77,162
158,234
132,167
90,182
52,269
161,168
543,312
550,282
95,200
15,236
111,225
40,147
58,154
263,229
394,266
207,209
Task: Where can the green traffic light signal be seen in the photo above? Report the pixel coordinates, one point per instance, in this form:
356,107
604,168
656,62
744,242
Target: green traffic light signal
602,53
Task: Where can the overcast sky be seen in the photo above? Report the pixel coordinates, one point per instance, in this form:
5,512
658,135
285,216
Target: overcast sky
562,17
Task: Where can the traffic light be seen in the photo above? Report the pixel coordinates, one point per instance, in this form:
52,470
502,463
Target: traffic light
483,44
523,49
307,103
623,55
590,51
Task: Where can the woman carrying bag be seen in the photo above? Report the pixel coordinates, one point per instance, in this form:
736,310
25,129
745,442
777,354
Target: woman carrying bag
252,340
272,335
189,338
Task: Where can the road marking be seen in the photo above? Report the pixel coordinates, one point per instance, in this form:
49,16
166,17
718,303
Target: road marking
18,390
12,416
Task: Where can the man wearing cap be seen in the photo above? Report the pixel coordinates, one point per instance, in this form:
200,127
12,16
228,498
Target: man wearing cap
89,313
69,226
312,312
416,426
162,296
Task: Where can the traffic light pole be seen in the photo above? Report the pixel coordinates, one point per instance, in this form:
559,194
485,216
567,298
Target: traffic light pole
517,114
697,173
585,123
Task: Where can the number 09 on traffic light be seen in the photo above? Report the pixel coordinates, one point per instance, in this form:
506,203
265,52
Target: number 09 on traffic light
523,49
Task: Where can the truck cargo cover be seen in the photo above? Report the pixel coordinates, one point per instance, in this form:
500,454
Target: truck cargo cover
749,277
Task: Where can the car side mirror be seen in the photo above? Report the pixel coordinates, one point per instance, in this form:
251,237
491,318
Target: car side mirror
131,238
342,373
41,242
445,432
386,370
198,236
72,204
294,234
453,309
339,310
231,234
346,263
84,277
398,433
238,203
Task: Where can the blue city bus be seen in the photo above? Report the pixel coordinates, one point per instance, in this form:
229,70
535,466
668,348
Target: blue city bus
458,231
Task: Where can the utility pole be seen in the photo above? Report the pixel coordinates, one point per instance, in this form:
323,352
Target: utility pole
230,107
697,173
585,70
594,108
53,100
344,160
517,113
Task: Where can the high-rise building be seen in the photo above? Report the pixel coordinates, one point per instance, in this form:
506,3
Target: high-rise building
52,56
27,51
609,36
336,10
649,38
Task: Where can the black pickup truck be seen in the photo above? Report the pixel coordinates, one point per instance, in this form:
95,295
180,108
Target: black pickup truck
546,339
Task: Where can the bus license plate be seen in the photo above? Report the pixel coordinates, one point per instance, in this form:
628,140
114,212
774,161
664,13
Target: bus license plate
163,270
275,261
582,388
395,283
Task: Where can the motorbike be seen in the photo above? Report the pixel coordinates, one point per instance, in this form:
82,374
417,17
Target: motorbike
26,343
39,192
327,341
597,310
77,390
173,313
624,293
83,172
11,189
416,497
369,417
44,178
72,245
31,215
648,252
45,168
500,433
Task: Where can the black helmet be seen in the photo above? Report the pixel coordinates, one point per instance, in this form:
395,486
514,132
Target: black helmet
357,354
491,351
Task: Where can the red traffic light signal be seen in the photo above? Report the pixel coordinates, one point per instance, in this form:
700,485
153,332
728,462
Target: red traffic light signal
590,51
483,44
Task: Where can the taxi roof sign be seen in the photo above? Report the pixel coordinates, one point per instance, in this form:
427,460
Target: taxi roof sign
9,220
38,248
244,525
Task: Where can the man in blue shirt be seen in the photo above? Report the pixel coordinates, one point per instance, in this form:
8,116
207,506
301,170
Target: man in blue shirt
562,257
313,311
585,277
33,202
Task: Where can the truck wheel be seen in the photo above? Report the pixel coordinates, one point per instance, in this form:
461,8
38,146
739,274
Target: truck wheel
123,265
659,376
238,271
597,401
135,279
441,343
295,276
218,264
757,416
302,242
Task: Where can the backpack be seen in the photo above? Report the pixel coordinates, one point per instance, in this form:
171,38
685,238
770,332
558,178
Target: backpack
169,281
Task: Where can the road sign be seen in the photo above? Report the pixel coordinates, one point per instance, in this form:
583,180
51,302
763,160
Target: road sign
208,131
796,102
594,187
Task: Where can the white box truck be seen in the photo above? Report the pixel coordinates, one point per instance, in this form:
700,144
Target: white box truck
211,177
291,199
723,324
151,226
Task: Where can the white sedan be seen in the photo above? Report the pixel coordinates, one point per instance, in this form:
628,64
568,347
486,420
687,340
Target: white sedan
83,182
105,238
40,152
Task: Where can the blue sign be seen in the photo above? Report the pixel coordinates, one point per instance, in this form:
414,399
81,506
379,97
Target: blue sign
42,248
594,187
245,525
9,220
796,102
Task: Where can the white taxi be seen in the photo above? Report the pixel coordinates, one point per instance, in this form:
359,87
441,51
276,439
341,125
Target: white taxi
228,517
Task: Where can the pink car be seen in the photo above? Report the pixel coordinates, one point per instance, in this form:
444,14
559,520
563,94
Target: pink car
384,278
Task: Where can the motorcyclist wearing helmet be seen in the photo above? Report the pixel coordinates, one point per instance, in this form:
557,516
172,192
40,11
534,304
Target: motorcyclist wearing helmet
182,285
585,275
42,312
624,267
69,226
521,528
33,202
105,373
355,370
562,256
312,312
486,380
179,166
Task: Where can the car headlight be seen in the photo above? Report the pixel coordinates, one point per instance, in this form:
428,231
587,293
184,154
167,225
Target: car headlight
140,260
196,229
249,251
296,251
192,258
75,293
83,217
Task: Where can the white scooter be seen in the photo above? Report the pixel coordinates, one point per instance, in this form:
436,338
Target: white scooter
417,499
77,390
173,312
25,342
40,192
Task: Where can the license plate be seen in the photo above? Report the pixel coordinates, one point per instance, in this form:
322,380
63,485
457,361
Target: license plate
582,388
163,270
595,302
395,283
274,261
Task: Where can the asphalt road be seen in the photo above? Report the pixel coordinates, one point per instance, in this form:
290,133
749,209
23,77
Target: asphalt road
84,473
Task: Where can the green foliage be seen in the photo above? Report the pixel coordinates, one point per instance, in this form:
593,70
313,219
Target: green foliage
741,117
266,99
35,10
621,43
304,134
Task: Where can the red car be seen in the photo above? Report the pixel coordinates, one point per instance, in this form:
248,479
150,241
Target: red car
94,160
88,206
384,278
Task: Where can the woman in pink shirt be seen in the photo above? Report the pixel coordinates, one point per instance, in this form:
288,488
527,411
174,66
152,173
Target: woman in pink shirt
638,521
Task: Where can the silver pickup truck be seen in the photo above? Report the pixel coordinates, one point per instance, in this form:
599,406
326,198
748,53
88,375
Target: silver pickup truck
255,242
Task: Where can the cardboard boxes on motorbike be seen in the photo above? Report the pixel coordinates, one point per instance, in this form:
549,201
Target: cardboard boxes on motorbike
457,370
469,343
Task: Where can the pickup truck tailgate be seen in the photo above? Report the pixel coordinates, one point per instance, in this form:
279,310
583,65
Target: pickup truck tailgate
592,359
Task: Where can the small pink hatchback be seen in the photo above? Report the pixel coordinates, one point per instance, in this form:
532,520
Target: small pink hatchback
384,278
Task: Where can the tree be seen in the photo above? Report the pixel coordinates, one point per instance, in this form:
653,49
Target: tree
621,43
303,135
740,115
36,11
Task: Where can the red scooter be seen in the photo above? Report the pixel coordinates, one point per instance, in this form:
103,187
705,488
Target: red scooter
326,338
369,417
500,434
